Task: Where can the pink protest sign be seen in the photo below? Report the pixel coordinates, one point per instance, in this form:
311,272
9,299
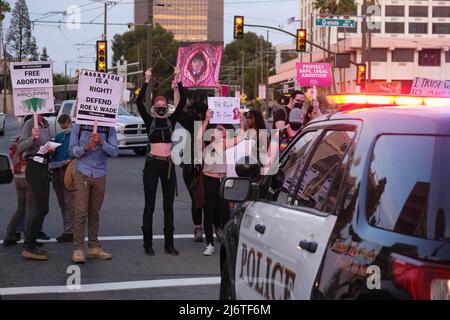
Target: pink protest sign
200,64
311,74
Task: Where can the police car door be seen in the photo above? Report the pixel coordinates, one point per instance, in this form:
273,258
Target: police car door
253,265
301,229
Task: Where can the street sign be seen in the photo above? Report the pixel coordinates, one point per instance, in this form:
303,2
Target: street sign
328,22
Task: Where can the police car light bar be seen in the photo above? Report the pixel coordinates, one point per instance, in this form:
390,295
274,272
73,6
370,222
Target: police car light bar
386,100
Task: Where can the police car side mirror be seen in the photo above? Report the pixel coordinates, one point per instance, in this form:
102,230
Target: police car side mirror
247,167
235,189
6,172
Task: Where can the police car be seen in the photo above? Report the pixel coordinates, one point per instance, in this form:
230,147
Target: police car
359,208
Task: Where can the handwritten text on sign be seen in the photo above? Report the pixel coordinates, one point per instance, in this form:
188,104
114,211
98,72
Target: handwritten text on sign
98,98
430,88
226,110
313,74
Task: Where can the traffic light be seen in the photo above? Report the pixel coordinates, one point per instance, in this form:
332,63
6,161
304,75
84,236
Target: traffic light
238,27
301,40
101,64
361,75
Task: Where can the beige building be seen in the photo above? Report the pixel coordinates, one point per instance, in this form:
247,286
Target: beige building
189,20
412,39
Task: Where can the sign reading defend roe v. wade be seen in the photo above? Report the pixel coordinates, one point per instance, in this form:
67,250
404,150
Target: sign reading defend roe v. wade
98,98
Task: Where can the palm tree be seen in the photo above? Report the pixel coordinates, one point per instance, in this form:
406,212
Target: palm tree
4,8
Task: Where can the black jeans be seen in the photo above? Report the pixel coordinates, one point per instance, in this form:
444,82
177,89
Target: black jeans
155,170
216,210
188,176
37,176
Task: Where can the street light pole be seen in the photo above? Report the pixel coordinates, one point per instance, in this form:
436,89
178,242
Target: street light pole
4,77
105,32
149,92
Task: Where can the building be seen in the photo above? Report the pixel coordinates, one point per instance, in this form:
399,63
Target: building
410,39
189,20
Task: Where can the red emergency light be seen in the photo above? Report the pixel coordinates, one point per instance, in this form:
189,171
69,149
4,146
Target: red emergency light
352,101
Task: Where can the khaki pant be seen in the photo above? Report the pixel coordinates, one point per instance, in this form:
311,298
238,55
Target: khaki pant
66,199
26,208
89,195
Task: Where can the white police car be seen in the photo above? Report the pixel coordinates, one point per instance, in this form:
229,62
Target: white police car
359,209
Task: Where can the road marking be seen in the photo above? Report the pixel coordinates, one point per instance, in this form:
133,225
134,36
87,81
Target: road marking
114,286
124,238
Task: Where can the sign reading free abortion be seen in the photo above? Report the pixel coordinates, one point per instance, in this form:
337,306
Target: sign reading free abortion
98,98
32,84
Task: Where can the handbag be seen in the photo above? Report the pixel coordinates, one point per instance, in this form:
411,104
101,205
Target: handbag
198,191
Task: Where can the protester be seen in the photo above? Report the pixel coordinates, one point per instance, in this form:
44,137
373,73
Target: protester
214,170
192,172
281,117
312,112
295,125
58,165
158,165
91,151
37,175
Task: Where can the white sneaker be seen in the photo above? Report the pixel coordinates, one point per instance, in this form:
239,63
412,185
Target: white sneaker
209,250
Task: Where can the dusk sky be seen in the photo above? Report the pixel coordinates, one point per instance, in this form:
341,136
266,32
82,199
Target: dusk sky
61,42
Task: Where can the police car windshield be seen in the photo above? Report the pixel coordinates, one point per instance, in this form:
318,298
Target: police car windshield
408,186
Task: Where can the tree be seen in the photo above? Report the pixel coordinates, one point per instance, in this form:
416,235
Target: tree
44,55
132,45
249,50
4,8
19,33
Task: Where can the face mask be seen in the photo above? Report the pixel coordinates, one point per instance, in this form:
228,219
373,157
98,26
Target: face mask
67,130
161,111
298,105
295,126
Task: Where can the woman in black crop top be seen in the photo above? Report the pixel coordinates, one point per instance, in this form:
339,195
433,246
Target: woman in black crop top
158,164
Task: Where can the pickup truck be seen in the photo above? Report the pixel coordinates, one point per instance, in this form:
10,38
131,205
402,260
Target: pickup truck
131,131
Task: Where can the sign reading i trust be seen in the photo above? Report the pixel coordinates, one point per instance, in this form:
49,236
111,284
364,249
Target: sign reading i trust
98,98
32,84
313,74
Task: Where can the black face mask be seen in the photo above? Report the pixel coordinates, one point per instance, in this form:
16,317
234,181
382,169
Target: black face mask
298,105
161,111
295,126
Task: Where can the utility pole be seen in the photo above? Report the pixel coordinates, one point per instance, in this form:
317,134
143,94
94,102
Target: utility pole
311,37
243,72
149,93
105,31
5,69
65,81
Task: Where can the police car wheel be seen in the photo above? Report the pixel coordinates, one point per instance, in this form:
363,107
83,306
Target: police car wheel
225,283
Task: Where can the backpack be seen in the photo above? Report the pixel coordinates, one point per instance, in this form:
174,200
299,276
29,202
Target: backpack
18,161
153,128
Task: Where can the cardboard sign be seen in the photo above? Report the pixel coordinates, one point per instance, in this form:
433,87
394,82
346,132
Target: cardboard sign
32,84
98,98
226,110
200,64
313,74
430,88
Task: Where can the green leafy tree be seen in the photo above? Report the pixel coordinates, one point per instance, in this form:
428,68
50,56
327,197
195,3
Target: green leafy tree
133,46
248,50
59,79
44,55
4,8
19,35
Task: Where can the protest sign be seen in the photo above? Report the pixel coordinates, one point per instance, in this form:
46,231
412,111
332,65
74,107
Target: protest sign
32,84
199,64
313,74
226,110
98,98
430,88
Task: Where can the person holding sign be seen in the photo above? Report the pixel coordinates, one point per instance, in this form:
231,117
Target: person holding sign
91,146
214,170
34,141
158,165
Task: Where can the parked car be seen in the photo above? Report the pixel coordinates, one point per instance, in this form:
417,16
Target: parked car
359,209
2,123
131,131
6,169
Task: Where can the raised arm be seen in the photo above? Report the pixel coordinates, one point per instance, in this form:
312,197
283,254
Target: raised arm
140,99
182,98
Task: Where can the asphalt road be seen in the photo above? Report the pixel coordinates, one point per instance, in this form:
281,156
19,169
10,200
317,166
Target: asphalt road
130,274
